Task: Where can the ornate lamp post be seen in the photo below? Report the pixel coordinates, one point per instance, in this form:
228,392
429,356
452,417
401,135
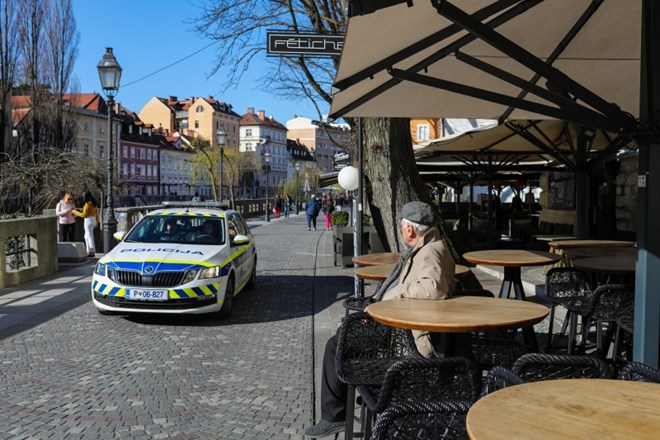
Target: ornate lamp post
297,166
220,139
267,170
110,76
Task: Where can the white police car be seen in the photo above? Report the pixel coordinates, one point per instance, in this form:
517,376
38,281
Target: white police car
179,261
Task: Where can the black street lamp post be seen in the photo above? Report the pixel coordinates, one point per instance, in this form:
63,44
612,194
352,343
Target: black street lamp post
297,166
220,139
110,76
267,170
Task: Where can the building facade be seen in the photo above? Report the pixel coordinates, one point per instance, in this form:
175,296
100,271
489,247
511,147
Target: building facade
323,140
258,134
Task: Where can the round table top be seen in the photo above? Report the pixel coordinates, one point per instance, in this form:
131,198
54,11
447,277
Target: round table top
511,257
615,265
596,251
458,314
376,258
568,409
380,272
564,244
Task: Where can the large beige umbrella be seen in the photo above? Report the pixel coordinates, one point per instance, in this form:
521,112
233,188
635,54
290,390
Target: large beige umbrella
590,62
417,43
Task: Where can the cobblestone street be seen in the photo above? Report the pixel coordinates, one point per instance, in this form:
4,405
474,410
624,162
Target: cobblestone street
83,375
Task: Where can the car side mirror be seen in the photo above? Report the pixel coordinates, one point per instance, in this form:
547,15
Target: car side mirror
241,239
119,235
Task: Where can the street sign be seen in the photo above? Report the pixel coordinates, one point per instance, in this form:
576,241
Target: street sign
290,44
342,156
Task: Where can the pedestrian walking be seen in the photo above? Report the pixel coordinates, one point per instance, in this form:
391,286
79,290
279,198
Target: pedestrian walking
277,208
66,217
90,221
312,211
328,208
288,201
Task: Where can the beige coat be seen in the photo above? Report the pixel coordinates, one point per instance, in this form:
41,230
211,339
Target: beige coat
428,273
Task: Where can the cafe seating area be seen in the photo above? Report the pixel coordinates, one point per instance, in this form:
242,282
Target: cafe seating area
402,392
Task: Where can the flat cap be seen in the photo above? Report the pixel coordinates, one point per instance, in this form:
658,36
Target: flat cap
417,212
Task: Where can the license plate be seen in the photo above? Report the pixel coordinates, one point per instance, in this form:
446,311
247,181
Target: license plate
147,294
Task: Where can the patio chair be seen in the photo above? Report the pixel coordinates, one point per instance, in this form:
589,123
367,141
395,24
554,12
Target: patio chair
365,351
639,372
533,367
605,307
567,287
624,333
497,348
357,304
498,378
423,421
422,380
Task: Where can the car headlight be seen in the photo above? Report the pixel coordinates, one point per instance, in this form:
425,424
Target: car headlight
100,269
105,271
210,272
189,276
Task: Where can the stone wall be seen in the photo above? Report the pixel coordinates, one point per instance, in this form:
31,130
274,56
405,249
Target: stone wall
42,232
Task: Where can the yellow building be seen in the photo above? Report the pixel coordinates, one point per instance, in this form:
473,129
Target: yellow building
193,117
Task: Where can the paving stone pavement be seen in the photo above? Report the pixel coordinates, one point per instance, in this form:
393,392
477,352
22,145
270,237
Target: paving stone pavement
67,372
78,375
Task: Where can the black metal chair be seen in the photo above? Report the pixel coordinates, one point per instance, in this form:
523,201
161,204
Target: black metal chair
423,421
357,304
623,338
498,378
422,380
567,287
639,372
365,351
607,303
496,348
533,367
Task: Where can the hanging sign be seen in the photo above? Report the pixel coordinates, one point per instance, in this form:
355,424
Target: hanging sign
290,44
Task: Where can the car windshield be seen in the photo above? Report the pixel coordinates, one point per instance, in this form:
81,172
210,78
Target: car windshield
181,229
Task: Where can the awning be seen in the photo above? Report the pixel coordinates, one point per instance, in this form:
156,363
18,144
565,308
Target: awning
406,61
518,144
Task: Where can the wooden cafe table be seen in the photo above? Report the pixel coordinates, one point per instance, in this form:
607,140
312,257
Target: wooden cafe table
612,265
380,272
560,247
457,315
376,259
512,260
598,251
568,409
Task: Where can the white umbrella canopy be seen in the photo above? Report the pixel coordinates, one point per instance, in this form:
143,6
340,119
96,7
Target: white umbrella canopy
530,141
603,56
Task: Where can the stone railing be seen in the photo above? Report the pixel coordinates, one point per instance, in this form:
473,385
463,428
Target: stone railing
127,217
30,249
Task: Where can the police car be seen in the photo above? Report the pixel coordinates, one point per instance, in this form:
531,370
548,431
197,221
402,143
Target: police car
178,261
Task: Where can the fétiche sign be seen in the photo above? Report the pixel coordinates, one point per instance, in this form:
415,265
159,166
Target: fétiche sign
283,43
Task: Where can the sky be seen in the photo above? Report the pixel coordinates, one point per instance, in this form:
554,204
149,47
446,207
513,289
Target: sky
147,35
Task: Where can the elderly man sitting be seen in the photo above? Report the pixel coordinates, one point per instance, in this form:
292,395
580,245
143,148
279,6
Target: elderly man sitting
425,270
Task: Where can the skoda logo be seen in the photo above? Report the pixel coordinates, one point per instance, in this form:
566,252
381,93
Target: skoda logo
149,269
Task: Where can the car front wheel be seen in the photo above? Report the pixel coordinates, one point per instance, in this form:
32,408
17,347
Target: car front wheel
253,277
225,311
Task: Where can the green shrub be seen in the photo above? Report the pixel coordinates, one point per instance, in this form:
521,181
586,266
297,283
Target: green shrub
366,219
340,218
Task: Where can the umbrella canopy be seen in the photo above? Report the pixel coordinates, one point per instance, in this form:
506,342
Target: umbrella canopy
520,143
411,61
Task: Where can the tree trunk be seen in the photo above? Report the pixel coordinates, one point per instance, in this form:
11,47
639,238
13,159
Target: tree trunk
392,180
